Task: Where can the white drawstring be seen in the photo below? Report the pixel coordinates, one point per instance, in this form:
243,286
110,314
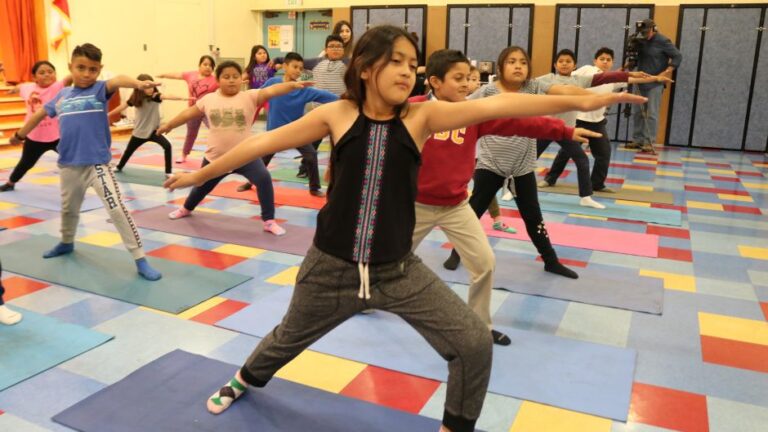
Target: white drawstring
365,282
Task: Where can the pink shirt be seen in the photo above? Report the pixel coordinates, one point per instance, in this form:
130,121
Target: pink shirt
35,97
199,86
230,119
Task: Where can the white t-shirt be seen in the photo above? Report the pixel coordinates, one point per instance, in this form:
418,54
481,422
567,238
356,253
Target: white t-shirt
599,114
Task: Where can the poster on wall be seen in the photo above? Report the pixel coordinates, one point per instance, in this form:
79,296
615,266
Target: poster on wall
320,25
286,38
273,36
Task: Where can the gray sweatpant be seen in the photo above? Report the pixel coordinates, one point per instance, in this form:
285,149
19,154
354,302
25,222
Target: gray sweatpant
75,181
326,294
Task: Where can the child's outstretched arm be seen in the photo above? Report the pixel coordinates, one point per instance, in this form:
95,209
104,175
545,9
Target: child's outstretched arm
165,97
268,93
183,117
309,128
21,134
124,81
120,108
442,116
172,75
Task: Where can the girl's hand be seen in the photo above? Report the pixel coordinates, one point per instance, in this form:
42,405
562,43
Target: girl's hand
143,85
181,181
663,79
583,135
591,103
163,129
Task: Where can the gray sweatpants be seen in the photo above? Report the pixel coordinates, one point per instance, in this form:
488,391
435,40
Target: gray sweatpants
75,181
326,294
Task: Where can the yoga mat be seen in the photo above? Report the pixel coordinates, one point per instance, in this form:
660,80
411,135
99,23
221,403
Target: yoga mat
141,176
622,194
45,197
158,160
227,229
559,203
112,273
618,288
169,394
575,375
582,237
289,175
283,196
38,343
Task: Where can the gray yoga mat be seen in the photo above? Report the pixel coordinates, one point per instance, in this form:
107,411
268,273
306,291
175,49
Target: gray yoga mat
621,194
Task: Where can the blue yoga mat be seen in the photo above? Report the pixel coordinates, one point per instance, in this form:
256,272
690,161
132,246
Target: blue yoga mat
112,273
141,176
169,394
600,285
560,203
45,197
38,343
580,376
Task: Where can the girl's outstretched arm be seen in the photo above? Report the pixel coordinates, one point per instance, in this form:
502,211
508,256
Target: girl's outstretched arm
268,93
180,119
172,75
311,127
120,108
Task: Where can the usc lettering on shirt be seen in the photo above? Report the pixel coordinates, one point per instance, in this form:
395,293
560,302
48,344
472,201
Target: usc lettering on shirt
455,136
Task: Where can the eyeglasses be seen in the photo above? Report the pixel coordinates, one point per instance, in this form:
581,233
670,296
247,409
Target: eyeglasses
338,47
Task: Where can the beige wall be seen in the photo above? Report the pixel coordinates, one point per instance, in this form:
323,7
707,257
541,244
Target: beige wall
325,4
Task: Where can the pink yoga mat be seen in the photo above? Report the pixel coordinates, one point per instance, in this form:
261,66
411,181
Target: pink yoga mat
283,196
158,160
582,237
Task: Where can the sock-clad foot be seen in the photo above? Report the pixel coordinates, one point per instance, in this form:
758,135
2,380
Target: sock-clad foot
244,187
222,399
146,271
543,184
179,213
271,226
557,268
8,316
501,226
500,338
6,187
60,249
587,201
452,263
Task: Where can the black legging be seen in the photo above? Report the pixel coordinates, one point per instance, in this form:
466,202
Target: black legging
30,154
487,184
2,289
135,142
601,151
308,162
568,150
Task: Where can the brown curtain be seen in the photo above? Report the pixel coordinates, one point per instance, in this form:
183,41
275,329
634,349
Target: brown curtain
18,39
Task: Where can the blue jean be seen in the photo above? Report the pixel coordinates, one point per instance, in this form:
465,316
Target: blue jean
256,173
645,118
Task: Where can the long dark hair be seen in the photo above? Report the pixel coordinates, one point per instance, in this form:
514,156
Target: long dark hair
502,63
252,62
351,43
375,44
138,96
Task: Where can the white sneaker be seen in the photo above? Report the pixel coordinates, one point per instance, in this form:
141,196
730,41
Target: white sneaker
8,316
179,213
587,201
543,184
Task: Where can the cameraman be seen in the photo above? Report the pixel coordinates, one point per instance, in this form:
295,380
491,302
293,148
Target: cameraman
656,55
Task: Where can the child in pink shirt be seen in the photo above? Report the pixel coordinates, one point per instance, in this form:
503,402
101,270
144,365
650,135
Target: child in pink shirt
46,135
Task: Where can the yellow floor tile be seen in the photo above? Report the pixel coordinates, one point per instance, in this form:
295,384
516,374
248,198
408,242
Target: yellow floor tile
753,252
321,371
547,156
103,238
647,162
687,159
760,164
534,417
207,210
45,180
600,218
673,281
6,163
633,203
704,205
191,312
7,205
285,277
739,329
37,170
721,171
241,251
731,197
668,173
756,185
637,187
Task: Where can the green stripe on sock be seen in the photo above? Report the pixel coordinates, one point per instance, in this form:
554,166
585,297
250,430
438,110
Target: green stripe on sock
235,384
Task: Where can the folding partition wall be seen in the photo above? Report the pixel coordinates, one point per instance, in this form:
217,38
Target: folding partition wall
413,18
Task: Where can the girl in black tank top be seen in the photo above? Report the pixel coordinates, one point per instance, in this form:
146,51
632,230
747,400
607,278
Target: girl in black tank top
361,255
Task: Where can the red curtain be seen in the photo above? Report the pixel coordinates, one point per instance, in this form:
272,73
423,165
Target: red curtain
18,39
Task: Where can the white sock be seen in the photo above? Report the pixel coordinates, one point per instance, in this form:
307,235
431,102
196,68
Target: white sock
8,316
587,201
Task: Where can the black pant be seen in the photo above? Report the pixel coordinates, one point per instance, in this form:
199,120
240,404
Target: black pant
487,184
30,154
601,151
308,162
2,290
135,142
568,150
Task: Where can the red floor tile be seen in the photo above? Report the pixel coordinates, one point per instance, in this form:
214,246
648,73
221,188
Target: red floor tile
507,212
545,171
741,209
618,181
764,307
645,157
278,220
624,221
631,166
568,262
669,232
447,245
17,286
668,163
668,408
718,165
749,174
194,256
693,188
727,352
392,389
675,254
18,221
682,209
219,312
726,179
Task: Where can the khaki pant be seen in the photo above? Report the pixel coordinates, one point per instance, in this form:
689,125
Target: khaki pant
75,181
464,231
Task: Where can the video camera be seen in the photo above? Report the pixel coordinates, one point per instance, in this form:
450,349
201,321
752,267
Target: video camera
632,49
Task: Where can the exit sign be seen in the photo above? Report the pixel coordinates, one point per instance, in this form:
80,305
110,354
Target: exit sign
293,2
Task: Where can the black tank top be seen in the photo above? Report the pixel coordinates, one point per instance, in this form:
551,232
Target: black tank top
370,216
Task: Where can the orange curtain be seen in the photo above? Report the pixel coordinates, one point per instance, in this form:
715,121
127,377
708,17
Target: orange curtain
18,39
